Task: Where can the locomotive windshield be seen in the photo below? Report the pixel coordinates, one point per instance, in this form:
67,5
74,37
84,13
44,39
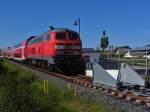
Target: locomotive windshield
73,36
70,35
60,36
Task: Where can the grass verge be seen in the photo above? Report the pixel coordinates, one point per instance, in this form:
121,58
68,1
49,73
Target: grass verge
21,91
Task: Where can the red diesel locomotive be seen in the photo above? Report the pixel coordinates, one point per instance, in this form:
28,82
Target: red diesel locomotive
57,48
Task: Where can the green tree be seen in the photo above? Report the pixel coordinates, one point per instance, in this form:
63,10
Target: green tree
104,41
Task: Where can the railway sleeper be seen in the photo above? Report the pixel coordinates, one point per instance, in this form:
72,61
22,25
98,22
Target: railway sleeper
121,95
148,104
114,93
130,96
141,100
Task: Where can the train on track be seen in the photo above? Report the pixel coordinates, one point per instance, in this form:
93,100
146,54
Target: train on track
57,48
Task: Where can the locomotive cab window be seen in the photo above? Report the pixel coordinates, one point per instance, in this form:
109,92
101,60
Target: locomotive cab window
60,36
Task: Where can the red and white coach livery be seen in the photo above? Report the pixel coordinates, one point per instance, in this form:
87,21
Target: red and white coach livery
19,51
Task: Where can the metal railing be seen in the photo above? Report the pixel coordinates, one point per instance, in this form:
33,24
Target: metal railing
140,61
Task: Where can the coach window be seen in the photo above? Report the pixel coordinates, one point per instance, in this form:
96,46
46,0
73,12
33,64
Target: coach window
48,37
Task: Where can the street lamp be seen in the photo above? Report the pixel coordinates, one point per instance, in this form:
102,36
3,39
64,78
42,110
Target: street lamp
77,22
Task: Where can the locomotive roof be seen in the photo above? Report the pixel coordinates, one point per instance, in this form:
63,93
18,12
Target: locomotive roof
55,30
61,30
52,30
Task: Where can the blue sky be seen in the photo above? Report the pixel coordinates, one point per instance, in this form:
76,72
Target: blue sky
127,22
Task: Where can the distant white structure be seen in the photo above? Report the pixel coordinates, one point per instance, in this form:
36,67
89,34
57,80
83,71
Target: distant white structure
139,52
148,56
128,55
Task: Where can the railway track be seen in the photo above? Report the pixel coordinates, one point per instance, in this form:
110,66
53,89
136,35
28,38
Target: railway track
138,97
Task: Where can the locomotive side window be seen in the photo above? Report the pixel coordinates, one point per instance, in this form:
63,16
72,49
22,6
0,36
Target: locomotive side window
37,40
60,36
48,37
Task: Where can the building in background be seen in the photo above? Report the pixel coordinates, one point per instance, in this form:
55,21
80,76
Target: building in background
122,49
88,50
139,52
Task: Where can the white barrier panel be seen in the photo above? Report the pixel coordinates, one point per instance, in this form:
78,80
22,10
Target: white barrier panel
102,77
128,75
113,73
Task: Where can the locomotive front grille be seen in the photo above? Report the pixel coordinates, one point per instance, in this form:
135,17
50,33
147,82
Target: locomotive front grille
76,47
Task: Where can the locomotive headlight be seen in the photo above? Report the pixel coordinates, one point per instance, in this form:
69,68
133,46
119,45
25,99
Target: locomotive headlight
67,47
